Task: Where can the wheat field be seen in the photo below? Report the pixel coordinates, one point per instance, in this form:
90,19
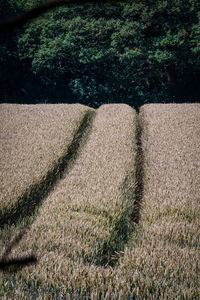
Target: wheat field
85,237
165,262
30,144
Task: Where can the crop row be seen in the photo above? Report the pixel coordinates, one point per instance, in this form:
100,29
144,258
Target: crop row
84,238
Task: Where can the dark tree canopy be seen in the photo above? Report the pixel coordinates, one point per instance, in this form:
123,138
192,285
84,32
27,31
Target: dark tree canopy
131,51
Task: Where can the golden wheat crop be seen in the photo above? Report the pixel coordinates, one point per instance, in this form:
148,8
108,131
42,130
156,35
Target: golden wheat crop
161,257
32,138
76,221
164,263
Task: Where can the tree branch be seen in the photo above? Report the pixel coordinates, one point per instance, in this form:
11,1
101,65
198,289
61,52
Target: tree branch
36,12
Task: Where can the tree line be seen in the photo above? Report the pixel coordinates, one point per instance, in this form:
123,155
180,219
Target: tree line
102,52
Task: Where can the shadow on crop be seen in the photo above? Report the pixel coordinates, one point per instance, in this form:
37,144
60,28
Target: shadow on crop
34,196
25,209
15,264
124,225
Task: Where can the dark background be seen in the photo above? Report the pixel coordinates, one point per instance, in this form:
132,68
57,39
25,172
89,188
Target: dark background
132,52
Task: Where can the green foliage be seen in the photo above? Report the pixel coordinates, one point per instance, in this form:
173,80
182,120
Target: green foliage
8,52
133,51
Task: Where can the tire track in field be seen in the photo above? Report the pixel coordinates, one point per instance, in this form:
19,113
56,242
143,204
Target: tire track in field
27,203
122,229
125,227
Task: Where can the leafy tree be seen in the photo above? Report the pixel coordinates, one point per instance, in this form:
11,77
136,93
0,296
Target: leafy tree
133,51
8,48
